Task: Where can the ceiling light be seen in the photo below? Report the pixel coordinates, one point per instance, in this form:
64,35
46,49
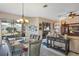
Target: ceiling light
27,21
23,19
18,21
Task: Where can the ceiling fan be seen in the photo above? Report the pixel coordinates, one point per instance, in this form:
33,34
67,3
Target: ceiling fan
72,14
44,6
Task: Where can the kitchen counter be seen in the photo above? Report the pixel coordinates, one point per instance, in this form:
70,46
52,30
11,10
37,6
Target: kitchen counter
73,37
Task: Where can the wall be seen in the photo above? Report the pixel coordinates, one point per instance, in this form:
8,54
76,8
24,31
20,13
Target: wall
8,16
33,21
36,21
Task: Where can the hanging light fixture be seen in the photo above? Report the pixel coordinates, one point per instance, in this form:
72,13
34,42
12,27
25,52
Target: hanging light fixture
23,20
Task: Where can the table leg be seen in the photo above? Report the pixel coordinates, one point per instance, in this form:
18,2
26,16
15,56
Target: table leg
67,47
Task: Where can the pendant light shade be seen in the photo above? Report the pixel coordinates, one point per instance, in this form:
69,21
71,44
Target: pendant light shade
23,19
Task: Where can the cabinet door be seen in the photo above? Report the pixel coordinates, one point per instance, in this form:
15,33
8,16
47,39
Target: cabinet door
74,45
65,29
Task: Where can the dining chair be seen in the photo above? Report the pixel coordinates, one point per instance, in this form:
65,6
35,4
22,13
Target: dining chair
34,36
16,50
34,48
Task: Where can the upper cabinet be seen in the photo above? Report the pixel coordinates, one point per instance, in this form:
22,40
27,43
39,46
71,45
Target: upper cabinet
70,29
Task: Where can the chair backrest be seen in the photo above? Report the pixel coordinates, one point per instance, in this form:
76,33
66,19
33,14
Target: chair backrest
34,48
33,36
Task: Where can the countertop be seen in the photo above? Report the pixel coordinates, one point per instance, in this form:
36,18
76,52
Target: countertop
73,37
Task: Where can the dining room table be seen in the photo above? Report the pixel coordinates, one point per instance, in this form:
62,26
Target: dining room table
18,47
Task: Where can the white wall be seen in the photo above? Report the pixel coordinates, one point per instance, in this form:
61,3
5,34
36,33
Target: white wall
33,21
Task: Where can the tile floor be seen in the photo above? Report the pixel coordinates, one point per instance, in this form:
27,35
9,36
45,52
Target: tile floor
51,52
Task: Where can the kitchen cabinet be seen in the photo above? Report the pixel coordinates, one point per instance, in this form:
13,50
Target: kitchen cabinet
74,44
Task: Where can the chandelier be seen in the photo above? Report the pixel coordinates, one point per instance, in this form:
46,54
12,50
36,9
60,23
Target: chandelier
23,20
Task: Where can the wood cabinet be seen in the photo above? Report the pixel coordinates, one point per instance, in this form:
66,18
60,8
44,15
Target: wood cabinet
70,29
74,45
46,29
64,29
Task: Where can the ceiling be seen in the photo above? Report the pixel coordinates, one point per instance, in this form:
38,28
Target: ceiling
54,10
